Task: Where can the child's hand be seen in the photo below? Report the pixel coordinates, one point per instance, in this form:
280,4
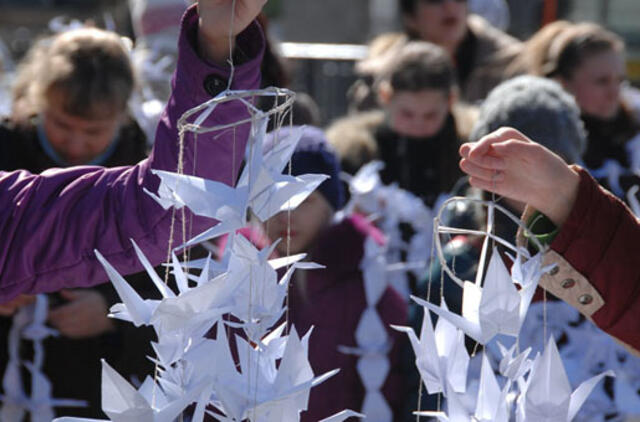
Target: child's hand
213,26
85,315
510,164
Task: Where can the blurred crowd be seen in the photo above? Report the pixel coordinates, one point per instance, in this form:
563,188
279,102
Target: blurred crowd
87,96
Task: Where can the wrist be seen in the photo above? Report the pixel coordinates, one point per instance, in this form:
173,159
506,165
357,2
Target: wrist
561,198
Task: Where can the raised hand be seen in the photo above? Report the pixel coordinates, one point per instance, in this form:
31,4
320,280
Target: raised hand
85,315
510,164
216,22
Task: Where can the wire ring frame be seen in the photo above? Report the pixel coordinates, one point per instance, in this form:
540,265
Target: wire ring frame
245,97
487,232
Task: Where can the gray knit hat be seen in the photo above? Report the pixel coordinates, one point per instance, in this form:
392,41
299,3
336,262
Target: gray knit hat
540,109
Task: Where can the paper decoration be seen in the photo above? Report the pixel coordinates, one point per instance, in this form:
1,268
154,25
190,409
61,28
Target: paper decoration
29,323
491,402
498,307
262,188
389,206
547,395
441,355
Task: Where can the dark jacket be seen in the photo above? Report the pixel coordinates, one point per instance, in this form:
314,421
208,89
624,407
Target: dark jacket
332,300
425,167
607,138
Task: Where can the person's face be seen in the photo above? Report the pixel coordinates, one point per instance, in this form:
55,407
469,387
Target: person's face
440,22
306,223
76,139
418,114
596,84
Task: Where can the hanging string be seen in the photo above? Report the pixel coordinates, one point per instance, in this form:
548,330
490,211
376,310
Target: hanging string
287,302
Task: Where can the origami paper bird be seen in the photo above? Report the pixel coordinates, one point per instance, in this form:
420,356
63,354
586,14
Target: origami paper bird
441,356
498,307
264,391
491,402
123,403
547,395
261,187
513,366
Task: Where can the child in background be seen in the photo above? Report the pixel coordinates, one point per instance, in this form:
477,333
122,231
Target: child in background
70,108
416,136
332,299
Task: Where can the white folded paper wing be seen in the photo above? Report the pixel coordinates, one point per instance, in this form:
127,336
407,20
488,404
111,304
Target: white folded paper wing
514,367
261,187
277,392
496,308
441,355
341,416
491,402
548,395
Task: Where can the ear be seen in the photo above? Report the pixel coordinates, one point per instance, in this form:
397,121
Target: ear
385,92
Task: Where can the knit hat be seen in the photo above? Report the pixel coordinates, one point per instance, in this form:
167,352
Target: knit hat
540,109
314,154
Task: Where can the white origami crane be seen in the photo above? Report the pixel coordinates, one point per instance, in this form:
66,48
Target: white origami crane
441,355
192,312
512,366
123,403
498,307
547,396
264,391
491,404
29,323
259,299
262,188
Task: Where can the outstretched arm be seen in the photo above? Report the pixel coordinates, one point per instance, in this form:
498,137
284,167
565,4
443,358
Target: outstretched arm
51,223
596,249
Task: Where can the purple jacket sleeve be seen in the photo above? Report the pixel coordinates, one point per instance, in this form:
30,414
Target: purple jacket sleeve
51,223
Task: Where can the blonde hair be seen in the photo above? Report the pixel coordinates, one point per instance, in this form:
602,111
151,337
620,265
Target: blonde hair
88,68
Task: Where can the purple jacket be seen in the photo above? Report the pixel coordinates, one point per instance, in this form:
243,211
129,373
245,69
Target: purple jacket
51,223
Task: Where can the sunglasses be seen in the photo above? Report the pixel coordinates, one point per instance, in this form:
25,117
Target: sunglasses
441,1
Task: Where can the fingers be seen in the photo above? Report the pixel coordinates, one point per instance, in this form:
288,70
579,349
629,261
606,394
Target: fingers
503,134
494,186
481,172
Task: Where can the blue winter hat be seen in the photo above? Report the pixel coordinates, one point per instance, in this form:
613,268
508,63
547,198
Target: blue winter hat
314,154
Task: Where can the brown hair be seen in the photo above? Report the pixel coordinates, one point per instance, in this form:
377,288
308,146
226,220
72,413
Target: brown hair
422,65
558,49
88,68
